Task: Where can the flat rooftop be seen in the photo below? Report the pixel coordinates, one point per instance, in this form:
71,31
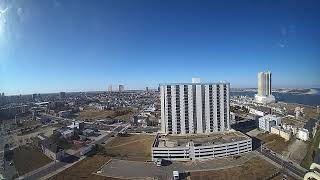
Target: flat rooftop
201,140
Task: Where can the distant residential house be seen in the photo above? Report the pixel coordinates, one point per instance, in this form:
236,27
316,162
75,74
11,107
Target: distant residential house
260,111
232,118
303,134
286,134
291,128
52,150
64,114
77,124
88,132
299,112
67,133
140,121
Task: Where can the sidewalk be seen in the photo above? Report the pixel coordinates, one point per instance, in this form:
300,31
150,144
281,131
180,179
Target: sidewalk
37,170
62,169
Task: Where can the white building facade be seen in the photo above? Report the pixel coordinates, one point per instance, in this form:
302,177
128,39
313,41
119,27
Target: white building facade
191,108
268,121
303,134
192,152
234,144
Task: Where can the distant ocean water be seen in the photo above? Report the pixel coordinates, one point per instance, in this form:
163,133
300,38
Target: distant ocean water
307,99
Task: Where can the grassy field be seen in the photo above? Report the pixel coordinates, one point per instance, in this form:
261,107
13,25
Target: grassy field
255,168
94,114
71,146
133,147
28,158
84,169
274,142
126,116
312,150
90,114
292,121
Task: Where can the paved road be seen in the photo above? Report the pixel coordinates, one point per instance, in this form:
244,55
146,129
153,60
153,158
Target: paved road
37,174
299,171
9,170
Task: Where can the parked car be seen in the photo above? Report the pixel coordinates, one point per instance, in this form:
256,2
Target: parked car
159,162
175,175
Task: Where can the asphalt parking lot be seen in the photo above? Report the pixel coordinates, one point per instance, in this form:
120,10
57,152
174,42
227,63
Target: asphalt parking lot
138,169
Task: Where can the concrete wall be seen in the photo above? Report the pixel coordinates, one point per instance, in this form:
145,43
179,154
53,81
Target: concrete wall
202,152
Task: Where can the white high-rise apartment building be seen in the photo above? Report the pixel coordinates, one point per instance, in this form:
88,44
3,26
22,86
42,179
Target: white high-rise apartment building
110,88
264,88
121,88
190,108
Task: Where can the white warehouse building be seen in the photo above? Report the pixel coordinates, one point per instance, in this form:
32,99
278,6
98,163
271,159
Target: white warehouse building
268,121
303,134
191,108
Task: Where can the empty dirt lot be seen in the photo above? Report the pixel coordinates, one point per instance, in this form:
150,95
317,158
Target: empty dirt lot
91,114
28,158
133,147
274,142
255,168
84,169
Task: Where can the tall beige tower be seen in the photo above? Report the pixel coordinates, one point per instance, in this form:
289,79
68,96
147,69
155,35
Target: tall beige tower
264,88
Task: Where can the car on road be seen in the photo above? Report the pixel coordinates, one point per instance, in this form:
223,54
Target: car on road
175,175
159,162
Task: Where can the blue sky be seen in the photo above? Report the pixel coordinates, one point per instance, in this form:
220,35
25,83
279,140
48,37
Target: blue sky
77,45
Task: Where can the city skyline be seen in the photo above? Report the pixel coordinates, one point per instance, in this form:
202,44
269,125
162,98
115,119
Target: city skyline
54,46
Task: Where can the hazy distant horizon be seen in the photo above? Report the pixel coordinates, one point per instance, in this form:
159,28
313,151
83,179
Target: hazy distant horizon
139,89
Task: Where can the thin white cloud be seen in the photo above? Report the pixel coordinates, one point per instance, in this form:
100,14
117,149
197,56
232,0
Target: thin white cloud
56,4
3,11
19,12
3,22
285,32
281,45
